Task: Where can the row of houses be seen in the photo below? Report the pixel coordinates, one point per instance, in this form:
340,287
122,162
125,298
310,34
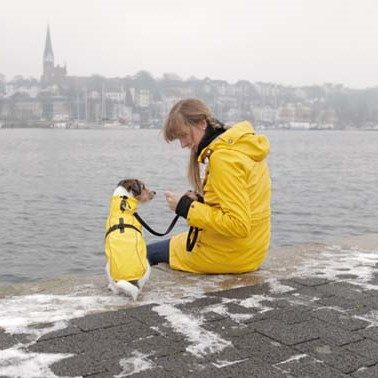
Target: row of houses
145,101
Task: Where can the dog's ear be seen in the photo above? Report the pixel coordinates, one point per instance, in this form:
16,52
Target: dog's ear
133,186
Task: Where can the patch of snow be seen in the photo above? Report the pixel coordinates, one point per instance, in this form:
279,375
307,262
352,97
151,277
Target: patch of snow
276,287
202,341
297,357
19,314
371,317
222,310
135,364
336,261
17,363
255,302
221,364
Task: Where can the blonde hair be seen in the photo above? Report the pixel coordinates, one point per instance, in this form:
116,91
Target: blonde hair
183,116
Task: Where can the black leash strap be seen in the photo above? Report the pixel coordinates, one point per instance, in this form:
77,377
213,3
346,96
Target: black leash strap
150,230
191,238
121,226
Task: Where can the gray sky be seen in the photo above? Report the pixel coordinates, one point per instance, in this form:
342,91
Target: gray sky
292,42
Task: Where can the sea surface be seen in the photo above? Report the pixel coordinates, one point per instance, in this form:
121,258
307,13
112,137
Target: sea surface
55,187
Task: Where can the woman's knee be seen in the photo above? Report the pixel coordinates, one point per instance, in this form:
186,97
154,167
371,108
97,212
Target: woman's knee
158,252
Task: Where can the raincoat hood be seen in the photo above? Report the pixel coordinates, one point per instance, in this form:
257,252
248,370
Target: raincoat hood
240,137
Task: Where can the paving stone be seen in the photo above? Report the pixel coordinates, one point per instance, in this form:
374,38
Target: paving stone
344,303
243,292
374,279
370,333
227,328
289,284
70,330
234,308
309,367
157,372
230,354
371,292
182,362
199,304
298,314
159,346
333,334
247,368
371,301
113,367
342,289
80,365
101,320
346,276
337,357
288,315
340,319
7,340
311,281
370,372
310,293
212,316
83,342
277,303
366,347
288,334
261,347
145,314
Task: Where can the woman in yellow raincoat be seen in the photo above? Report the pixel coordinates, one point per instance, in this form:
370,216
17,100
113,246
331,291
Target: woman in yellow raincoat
229,209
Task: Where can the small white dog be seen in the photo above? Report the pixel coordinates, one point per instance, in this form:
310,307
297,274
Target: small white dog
127,265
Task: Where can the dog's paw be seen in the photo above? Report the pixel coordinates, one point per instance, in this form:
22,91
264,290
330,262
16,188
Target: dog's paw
128,288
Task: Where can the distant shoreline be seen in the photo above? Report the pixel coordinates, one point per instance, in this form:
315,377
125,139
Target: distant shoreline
258,127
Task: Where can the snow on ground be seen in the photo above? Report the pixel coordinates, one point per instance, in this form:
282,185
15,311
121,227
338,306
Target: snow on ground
135,364
202,341
36,315
16,362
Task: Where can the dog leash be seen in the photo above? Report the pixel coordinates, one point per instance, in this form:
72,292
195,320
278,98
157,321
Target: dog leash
150,230
190,240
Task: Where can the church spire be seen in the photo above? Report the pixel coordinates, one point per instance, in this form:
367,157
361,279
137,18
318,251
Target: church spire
51,74
48,55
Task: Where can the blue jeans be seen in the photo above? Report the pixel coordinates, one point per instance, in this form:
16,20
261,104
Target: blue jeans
158,252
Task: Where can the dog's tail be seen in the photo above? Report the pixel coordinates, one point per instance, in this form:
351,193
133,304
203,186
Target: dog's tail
128,288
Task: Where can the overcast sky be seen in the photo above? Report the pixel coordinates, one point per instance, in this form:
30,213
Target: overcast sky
292,42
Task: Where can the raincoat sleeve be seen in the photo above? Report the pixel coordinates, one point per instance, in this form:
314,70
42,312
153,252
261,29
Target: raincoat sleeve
229,215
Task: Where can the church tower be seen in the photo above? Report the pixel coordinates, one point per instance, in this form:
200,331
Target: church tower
48,57
51,74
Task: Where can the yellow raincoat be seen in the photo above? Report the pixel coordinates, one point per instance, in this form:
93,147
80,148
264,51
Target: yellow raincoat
125,251
235,217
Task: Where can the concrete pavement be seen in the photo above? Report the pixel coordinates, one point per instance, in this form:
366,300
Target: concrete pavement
317,319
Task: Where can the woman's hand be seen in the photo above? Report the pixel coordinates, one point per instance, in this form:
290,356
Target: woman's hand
171,199
191,194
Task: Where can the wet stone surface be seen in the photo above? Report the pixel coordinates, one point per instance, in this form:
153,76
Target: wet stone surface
320,322
247,331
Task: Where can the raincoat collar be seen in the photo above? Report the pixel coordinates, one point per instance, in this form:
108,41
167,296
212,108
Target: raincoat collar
255,146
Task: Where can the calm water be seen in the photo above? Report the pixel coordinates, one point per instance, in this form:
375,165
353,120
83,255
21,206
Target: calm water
55,186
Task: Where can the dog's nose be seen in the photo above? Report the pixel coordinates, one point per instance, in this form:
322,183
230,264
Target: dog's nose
153,193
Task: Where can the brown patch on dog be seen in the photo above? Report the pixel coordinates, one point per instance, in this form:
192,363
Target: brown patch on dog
138,189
